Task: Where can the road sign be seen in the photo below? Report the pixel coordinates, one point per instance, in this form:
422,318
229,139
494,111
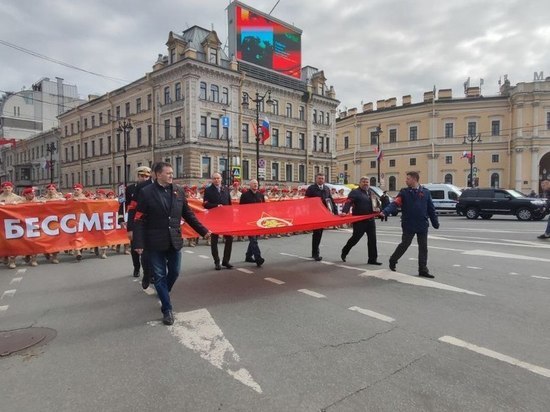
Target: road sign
341,175
225,121
261,163
261,172
236,171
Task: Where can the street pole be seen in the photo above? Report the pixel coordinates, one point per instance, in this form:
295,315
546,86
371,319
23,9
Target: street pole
378,132
472,139
50,148
125,128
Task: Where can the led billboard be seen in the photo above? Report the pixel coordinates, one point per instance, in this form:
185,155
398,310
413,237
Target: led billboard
264,41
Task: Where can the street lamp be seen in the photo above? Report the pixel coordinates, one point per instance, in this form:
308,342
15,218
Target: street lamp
378,132
258,100
125,127
472,139
51,149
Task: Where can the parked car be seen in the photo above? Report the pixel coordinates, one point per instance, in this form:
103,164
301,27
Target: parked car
444,196
488,202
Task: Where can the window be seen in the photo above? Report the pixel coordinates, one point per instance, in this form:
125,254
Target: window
203,127
373,164
346,142
178,127
274,171
412,161
127,109
449,130
149,101
393,135
93,121
172,55
86,178
413,133
214,93
149,135
72,128
327,118
179,167
101,177
225,95
167,95
78,126
117,112
472,126
202,93
373,138
495,158
301,114
206,167
372,181
392,162
85,124
167,129
448,160
93,177
449,179
245,133
437,194
288,139
118,142
93,148
275,107
495,180
314,143
495,128
138,134
100,146
246,170
215,128
392,183
109,144
288,110
85,150
138,105
321,143
213,56
222,166
72,153
301,141
275,137
110,175
327,173
314,115
109,119
119,174
321,117
302,173
327,144
177,91
288,172
66,154
100,119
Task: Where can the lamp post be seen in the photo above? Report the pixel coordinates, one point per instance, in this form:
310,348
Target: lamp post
125,127
472,139
51,149
378,132
258,100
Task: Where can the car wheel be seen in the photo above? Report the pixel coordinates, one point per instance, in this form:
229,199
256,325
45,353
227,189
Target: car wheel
486,216
472,213
524,214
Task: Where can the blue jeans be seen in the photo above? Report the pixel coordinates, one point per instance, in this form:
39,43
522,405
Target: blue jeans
547,231
253,250
165,265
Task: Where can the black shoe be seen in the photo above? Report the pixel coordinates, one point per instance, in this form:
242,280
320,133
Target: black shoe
136,273
168,318
217,266
146,280
250,260
79,257
426,275
260,261
392,266
374,263
543,236
317,258
343,256
227,265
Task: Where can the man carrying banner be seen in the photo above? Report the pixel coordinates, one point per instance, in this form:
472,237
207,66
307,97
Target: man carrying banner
160,203
7,196
30,197
253,195
320,190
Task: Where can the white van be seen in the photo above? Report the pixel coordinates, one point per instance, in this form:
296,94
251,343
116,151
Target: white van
444,196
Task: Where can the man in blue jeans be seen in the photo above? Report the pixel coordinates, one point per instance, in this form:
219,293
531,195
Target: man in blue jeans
157,228
253,195
545,185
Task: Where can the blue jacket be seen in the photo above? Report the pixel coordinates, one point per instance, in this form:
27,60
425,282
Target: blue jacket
416,207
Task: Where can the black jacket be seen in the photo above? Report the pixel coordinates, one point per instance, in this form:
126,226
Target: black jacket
155,226
251,197
132,204
213,198
361,200
314,191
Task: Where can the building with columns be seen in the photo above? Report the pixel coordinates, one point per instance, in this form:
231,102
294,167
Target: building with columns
507,137
188,111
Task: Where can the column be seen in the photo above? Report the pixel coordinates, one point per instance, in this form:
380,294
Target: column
535,169
519,166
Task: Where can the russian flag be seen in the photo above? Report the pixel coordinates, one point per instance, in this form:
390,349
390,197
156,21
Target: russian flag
264,129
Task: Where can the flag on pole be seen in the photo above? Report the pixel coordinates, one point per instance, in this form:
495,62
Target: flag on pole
379,154
264,129
466,155
4,142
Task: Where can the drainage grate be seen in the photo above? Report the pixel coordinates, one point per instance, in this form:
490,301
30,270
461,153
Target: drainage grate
17,340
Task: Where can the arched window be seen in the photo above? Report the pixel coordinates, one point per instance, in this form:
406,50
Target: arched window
392,183
495,180
449,179
215,90
202,94
373,181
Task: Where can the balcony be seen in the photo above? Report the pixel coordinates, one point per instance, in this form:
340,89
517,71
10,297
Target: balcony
172,106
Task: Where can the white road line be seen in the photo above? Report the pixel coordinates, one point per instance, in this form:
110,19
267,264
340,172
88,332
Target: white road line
311,293
189,251
276,281
541,277
136,280
150,291
513,274
414,280
326,262
413,259
288,254
8,294
204,257
15,280
350,267
457,266
495,355
21,271
4,308
372,314
473,267
489,253
248,272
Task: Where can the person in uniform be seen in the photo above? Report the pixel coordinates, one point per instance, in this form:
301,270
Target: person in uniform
78,194
52,195
364,202
320,190
29,196
253,195
8,197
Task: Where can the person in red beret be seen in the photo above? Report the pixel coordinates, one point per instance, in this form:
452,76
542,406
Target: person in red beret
52,193
30,197
8,197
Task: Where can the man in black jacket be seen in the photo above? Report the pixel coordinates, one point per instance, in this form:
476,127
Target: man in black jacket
253,195
320,190
159,211
364,202
217,195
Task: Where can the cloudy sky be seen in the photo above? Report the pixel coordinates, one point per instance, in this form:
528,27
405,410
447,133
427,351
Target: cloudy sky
369,50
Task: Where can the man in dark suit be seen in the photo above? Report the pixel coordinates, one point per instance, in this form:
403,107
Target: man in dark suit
320,190
364,202
253,195
158,204
217,195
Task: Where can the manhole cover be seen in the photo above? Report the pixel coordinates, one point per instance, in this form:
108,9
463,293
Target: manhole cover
13,341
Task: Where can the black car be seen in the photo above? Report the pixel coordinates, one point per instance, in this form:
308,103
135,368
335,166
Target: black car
488,202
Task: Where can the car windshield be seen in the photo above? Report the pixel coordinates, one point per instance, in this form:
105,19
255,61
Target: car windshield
515,193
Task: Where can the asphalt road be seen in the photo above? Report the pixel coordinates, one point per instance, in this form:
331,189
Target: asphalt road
295,335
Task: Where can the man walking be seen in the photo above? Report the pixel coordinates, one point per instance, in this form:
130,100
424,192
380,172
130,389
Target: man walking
157,229
545,186
416,207
364,202
217,195
253,195
320,190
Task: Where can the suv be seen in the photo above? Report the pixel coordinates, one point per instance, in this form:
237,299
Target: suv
488,202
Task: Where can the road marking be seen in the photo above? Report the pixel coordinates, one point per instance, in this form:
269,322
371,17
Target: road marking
150,291
413,259
276,281
15,280
350,267
189,251
136,280
204,257
457,266
495,355
488,253
541,277
386,274
311,293
248,272
372,314
8,293
4,308
21,271
198,331
473,267
326,262
513,274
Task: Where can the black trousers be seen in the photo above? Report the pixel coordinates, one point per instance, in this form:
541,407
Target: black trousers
140,260
406,239
359,229
316,241
226,250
